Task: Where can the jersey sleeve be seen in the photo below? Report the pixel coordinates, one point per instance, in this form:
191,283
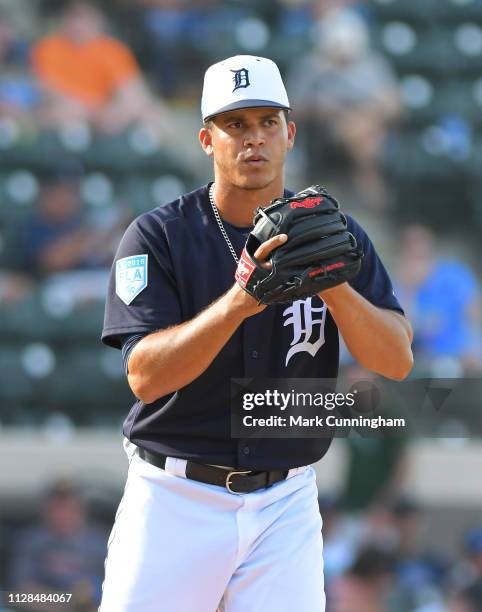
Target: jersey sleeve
373,281
142,295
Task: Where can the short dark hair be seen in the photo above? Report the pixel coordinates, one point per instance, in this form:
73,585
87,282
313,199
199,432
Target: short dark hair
373,561
70,5
62,489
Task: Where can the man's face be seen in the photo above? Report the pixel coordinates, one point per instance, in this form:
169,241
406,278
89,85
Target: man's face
60,202
249,146
82,22
64,514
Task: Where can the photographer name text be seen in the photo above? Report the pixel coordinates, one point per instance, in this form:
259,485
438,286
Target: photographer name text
318,421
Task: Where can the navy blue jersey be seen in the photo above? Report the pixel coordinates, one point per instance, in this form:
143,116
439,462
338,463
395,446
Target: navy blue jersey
172,263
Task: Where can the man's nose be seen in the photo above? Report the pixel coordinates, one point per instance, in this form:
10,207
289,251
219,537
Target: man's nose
254,137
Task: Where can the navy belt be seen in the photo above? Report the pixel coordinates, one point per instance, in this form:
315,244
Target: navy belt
235,481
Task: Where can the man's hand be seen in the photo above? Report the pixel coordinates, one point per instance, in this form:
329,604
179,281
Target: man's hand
242,302
319,253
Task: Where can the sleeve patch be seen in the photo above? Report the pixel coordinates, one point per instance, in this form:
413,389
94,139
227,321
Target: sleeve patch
130,277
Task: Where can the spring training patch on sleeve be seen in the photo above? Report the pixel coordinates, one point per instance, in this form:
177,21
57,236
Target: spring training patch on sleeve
130,277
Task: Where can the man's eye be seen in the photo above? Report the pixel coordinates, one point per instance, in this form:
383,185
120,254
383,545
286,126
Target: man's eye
235,124
272,122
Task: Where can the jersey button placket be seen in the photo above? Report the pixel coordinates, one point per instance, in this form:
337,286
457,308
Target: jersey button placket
244,454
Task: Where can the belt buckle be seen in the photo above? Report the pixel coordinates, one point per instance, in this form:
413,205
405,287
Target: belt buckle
229,483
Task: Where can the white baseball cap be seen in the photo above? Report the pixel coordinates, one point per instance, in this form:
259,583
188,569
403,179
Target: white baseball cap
242,81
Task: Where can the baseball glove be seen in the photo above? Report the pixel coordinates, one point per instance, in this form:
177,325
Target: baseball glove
320,253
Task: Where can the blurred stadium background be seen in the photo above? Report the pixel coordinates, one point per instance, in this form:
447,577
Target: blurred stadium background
99,113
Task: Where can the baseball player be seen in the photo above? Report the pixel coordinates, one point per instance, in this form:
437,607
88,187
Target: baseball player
208,521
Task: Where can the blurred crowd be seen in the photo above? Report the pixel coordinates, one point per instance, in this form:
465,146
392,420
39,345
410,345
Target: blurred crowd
81,73
377,563
105,68
76,68
75,72
377,557
59,550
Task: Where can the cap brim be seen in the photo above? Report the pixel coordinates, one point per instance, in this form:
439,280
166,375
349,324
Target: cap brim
246,104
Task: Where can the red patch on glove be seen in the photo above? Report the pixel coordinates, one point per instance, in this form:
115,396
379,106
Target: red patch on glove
308,203
244,270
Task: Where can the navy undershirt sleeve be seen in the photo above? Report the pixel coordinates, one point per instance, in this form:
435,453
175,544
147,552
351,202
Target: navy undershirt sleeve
128,343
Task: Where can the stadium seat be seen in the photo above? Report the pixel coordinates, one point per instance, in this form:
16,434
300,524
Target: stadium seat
18,192
142,193
414,11
425,49
456,11
16,384
78,380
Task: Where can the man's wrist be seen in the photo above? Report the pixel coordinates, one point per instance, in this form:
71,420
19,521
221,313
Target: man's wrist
331,296
240,304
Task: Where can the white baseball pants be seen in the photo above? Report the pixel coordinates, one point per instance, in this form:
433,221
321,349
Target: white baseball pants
178,545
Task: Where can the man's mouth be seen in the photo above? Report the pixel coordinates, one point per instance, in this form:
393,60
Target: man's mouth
255,160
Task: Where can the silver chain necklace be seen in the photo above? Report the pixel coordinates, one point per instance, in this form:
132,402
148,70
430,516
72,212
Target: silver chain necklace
220,224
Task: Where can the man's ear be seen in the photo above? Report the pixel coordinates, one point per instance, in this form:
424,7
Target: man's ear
206,140
291,135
